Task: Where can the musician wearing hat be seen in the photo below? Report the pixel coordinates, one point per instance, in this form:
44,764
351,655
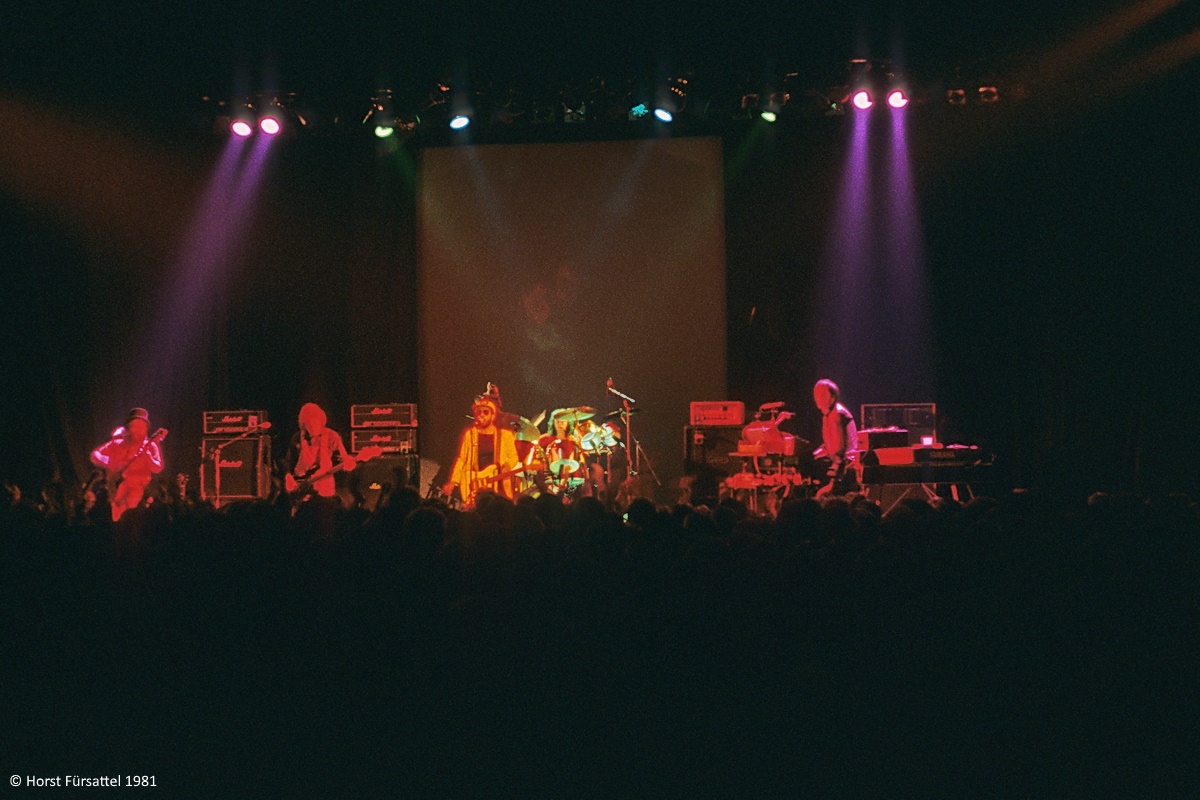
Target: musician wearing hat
129,460
487,455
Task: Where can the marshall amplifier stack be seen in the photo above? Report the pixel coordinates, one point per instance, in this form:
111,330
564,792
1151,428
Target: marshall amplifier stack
392,427
235,456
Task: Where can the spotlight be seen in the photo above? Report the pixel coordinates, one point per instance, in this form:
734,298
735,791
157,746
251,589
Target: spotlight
749,106
638,111
242,117
988,94
385,120
459,121
862,100
269,125
956,97
776,101
670,99
897,99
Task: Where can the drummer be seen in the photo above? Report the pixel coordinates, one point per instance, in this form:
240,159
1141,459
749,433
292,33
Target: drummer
564,456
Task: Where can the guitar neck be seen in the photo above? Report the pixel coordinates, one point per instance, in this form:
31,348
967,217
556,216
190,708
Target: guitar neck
158,436
310,480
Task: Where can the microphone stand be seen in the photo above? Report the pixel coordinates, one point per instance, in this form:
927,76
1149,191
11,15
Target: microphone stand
216,457
633,448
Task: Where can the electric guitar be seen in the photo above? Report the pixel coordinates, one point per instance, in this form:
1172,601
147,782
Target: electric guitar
122,494
299,488
473,482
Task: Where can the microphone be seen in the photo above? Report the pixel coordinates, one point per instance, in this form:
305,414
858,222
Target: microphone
613,391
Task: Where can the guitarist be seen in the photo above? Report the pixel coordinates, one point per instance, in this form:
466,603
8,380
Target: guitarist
484,448
130,459
318,450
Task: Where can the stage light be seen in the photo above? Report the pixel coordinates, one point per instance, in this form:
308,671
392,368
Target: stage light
769,116
956,97
897,99
383,117
862,100
269,125
459,121
670,99
988,94
241,128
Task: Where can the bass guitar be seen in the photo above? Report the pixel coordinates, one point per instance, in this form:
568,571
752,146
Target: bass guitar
491,476
126,494
299,488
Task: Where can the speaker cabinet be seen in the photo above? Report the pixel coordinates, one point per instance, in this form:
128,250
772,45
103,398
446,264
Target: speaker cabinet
372,480
244,467
710,446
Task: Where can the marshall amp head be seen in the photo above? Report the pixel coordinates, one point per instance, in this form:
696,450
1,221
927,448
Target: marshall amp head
219,422
717,412
396,441
384,415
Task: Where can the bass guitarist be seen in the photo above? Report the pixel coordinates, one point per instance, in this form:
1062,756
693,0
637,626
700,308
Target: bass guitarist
318,450
487,456
129,461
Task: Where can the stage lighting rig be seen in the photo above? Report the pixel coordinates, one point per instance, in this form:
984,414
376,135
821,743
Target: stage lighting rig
264,113
874,82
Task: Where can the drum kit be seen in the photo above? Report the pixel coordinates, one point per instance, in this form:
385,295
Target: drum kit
574,458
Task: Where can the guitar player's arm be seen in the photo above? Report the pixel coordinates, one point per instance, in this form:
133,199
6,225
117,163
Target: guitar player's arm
100,457
153,454
339,453
507,457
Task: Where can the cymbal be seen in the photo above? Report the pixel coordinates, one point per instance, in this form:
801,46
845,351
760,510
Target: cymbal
564,465
575,414
525,430
619,412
